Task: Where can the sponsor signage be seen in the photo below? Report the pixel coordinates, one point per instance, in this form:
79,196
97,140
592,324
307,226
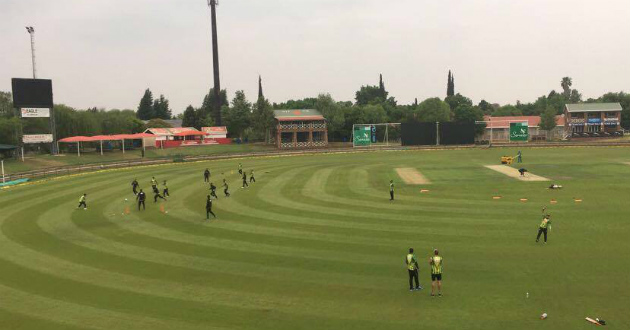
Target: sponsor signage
362,136
576,120
519,131
35,112
37,138
373,134
594,121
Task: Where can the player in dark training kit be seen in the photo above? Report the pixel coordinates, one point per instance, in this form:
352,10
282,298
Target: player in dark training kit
154,185
134,186
209,208
245,180
141,197
240,168
391,190
165,190
225,189
82,202
206,175
213,190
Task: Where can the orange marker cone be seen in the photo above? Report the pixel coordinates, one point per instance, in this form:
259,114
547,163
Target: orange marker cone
127,210
162,208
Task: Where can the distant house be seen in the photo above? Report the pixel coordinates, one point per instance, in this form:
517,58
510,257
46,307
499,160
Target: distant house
300,129
215,132
593,119
498,128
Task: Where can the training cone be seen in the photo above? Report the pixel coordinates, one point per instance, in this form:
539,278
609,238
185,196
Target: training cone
127,210
162,208
553,201
496,197
523,200
424,190
578,200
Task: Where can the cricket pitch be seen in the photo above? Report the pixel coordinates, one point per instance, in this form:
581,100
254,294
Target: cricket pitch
412,176
513,173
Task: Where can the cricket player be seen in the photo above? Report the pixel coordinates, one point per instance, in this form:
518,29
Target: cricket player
141,197
82,202
206,175
251,177
544,226
225,188
519,157
522,171
245,180
165,190
209,208
213,190
412,267
154,185
391,190
436,263
157,195
134,186
240,168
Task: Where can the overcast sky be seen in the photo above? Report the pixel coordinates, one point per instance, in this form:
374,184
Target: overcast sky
105,53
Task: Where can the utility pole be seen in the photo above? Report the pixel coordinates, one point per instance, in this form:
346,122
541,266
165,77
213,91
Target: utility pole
215,62
31,31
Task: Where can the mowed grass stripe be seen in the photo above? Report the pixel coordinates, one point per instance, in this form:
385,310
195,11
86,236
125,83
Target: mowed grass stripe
149,270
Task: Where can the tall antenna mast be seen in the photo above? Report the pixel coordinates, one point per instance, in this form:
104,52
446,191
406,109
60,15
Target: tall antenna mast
31,31
215,62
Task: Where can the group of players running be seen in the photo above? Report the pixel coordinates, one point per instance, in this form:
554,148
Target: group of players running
141,195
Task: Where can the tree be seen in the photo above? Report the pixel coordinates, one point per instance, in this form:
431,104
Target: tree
262,119
260,89
548,119
208,106
450,85
467,113
161,108
486,107
145,109
566,86
457,100
190,117
158,123
307,103
333,113
372,94
507,110
6,104
432,110
237,116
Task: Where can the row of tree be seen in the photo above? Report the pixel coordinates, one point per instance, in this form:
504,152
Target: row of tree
245,119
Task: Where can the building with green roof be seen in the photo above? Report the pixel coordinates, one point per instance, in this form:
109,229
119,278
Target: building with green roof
592,119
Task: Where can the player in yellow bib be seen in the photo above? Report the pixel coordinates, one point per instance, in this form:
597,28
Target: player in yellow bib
544,226
412,267
436,264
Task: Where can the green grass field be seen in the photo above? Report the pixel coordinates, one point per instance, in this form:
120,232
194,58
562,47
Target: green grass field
316,244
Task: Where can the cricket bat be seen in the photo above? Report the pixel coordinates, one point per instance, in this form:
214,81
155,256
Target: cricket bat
592,321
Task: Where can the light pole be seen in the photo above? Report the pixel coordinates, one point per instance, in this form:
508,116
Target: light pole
31,31
215,62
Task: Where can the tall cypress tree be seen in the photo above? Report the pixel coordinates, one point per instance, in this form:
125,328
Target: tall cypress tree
381,85
450,86
260,90
145,109
161,108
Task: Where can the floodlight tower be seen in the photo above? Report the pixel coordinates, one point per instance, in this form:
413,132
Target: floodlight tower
31,31
215,62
